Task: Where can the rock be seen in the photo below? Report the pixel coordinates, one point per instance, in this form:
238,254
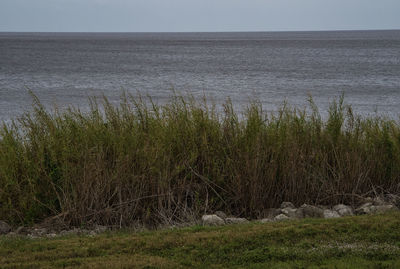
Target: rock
310,211
212,220
300,213
266,220
366,208
221,214
22,230
32,236
64,232
393,199
343,210
85,231
12,234
235,220
69,232
368,200
287,205
384,208
281,217
4,227
330,214
379,201
369,208
100,228
292,213
51,235
39,232
92,233
271,213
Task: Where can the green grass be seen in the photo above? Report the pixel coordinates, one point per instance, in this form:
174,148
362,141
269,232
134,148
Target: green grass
350,242
138,162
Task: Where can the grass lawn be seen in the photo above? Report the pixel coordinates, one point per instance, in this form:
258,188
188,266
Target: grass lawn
351,242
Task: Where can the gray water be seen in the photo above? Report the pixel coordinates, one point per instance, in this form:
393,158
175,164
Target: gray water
66,68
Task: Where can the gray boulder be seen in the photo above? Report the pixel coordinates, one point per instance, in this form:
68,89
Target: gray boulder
366,208
368,200
393,199
70,232
100,228
51,235
384,208
310,211
39,232
292,212
22,230
236,220
266,220
281,217
221,214
330,214
212,220
343,210
287,205
12,235
4,227
271,213
378,201
369,208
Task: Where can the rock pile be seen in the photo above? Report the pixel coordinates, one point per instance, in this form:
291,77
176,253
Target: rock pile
288,211
221,219
5,229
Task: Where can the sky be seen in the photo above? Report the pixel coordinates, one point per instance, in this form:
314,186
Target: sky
196,15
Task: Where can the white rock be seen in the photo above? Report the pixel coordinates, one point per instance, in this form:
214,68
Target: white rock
281,217
378,201
393,199
271,213
330,214
384,208
287,205
343,210
70,232
22,230
212,220
32,236
52,235
39,231
292,212
235,220
221,214
92,233
4,227
100,229
311,211
266,220
12,234
366,208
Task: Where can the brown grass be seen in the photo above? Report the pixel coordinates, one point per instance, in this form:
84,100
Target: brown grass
148,164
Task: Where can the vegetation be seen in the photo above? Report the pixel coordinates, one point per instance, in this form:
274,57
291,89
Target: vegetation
139,162
350,242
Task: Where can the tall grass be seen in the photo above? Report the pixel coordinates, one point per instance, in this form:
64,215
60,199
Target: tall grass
156,164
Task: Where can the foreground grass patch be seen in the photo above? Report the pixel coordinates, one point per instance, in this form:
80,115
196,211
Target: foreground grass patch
351,242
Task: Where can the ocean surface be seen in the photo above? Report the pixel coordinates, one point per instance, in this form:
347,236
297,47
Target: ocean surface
270,67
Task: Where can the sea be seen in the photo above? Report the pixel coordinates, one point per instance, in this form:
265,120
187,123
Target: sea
65,69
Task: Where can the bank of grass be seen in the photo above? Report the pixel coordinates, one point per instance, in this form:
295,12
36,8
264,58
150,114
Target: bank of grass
350,242
138,162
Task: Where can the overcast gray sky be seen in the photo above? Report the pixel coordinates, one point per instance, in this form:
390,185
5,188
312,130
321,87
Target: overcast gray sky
197,15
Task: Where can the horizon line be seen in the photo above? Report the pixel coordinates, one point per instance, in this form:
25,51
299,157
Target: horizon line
233,31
